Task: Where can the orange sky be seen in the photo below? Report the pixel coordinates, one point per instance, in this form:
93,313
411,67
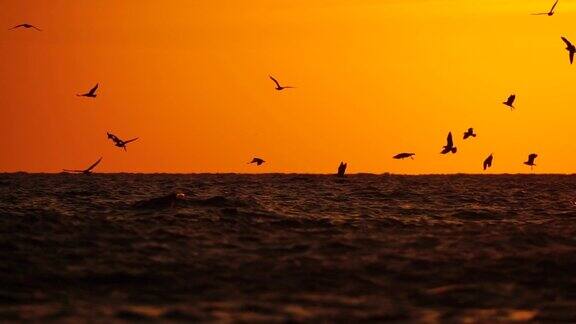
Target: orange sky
373,77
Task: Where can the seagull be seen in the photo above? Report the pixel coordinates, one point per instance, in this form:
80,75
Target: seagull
449,147
510,101
488,162
342,169
91,93
531,159
469,132
278,86
26,26
87,171
402,156
549,13
256,160
118,142
570,48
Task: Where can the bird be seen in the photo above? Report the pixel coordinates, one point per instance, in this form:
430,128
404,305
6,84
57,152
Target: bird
342,169
570,48
531,159
256,160
91,93
402,156
118,142
510,101
469,132
278,86
488,162
27,26
449,147
86,171
549,13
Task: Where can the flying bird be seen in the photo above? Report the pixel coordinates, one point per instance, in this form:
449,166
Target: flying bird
91,93
27,26
256,160
402,156
86,171
531,159
342,169
570,48
549,13
488,162
278,86
118,142
449,147
469,132
510,101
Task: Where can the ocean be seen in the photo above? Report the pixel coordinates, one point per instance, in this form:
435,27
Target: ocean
287,248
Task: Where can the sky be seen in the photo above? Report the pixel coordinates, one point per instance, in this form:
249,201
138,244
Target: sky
373,78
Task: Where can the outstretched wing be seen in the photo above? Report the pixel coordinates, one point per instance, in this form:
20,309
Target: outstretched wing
449,142
275,81
566,41
554,6
130,140
38,29
93,90
571,56
94,165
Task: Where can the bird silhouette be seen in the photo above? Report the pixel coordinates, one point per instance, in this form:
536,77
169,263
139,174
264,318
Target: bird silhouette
531,159
278,86
118,142
469,132
256,160
402,156
510,101
86,171
488,162
342,169
91,93
27,26
449,147
570,48
549,13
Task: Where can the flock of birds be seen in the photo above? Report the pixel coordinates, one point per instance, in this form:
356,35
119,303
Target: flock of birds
448,148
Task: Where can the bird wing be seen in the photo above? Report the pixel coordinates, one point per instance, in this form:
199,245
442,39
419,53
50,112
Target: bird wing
130,140
94,165
18,26
554,6
571,56
68,170
38,29
566,41
275,81
93,90
449,142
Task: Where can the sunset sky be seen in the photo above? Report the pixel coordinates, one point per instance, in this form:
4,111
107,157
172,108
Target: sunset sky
374,78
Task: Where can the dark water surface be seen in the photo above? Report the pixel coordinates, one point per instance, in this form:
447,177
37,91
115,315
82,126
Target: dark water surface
276,248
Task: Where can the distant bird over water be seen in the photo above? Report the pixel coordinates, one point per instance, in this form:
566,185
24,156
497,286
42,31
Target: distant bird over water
549,13
256,160
27,26
449,147
488,162
278,86
86,171
570,48
531,159
342,169
510,101
469,132
118,142
91,93
404,155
